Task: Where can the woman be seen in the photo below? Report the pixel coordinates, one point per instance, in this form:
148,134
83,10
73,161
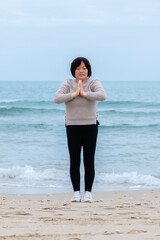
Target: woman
80,96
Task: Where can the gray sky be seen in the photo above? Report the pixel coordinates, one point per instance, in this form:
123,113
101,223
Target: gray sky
40,38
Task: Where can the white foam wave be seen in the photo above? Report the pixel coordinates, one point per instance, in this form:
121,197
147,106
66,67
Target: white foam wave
28,184
28,172
130,178
4,107
9,100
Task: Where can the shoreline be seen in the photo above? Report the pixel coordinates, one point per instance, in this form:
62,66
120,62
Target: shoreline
113,215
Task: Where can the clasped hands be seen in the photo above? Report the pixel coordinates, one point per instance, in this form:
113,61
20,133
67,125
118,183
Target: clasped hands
79,91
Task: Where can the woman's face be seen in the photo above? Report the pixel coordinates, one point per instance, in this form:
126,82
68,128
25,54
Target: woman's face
81,72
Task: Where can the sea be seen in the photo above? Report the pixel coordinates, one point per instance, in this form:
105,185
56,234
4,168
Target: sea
33,146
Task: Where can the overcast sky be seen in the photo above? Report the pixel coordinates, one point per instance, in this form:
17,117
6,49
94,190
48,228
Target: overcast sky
40,38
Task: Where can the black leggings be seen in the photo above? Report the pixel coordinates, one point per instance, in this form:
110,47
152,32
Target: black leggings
82,136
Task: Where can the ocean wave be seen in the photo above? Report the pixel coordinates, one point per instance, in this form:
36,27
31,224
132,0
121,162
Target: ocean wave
25,101
129,126
103,103
130,178
23,127
5,110
28,172
130,111
18,176
129,104
9,100
12,110
28,184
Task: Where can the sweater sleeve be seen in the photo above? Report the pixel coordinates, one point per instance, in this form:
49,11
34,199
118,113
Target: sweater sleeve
98,93
63,94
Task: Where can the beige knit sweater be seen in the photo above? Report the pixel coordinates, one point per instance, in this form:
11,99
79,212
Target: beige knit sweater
80,110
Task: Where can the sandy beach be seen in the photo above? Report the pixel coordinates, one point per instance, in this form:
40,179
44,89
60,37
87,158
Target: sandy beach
113,215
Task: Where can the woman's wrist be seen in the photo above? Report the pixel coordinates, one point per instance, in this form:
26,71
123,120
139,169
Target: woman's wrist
72,95
84,94
75,94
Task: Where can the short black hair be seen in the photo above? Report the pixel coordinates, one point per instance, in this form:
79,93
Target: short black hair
77,61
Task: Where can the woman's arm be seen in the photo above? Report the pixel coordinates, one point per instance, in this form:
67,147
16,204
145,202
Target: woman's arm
63,94
98,93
